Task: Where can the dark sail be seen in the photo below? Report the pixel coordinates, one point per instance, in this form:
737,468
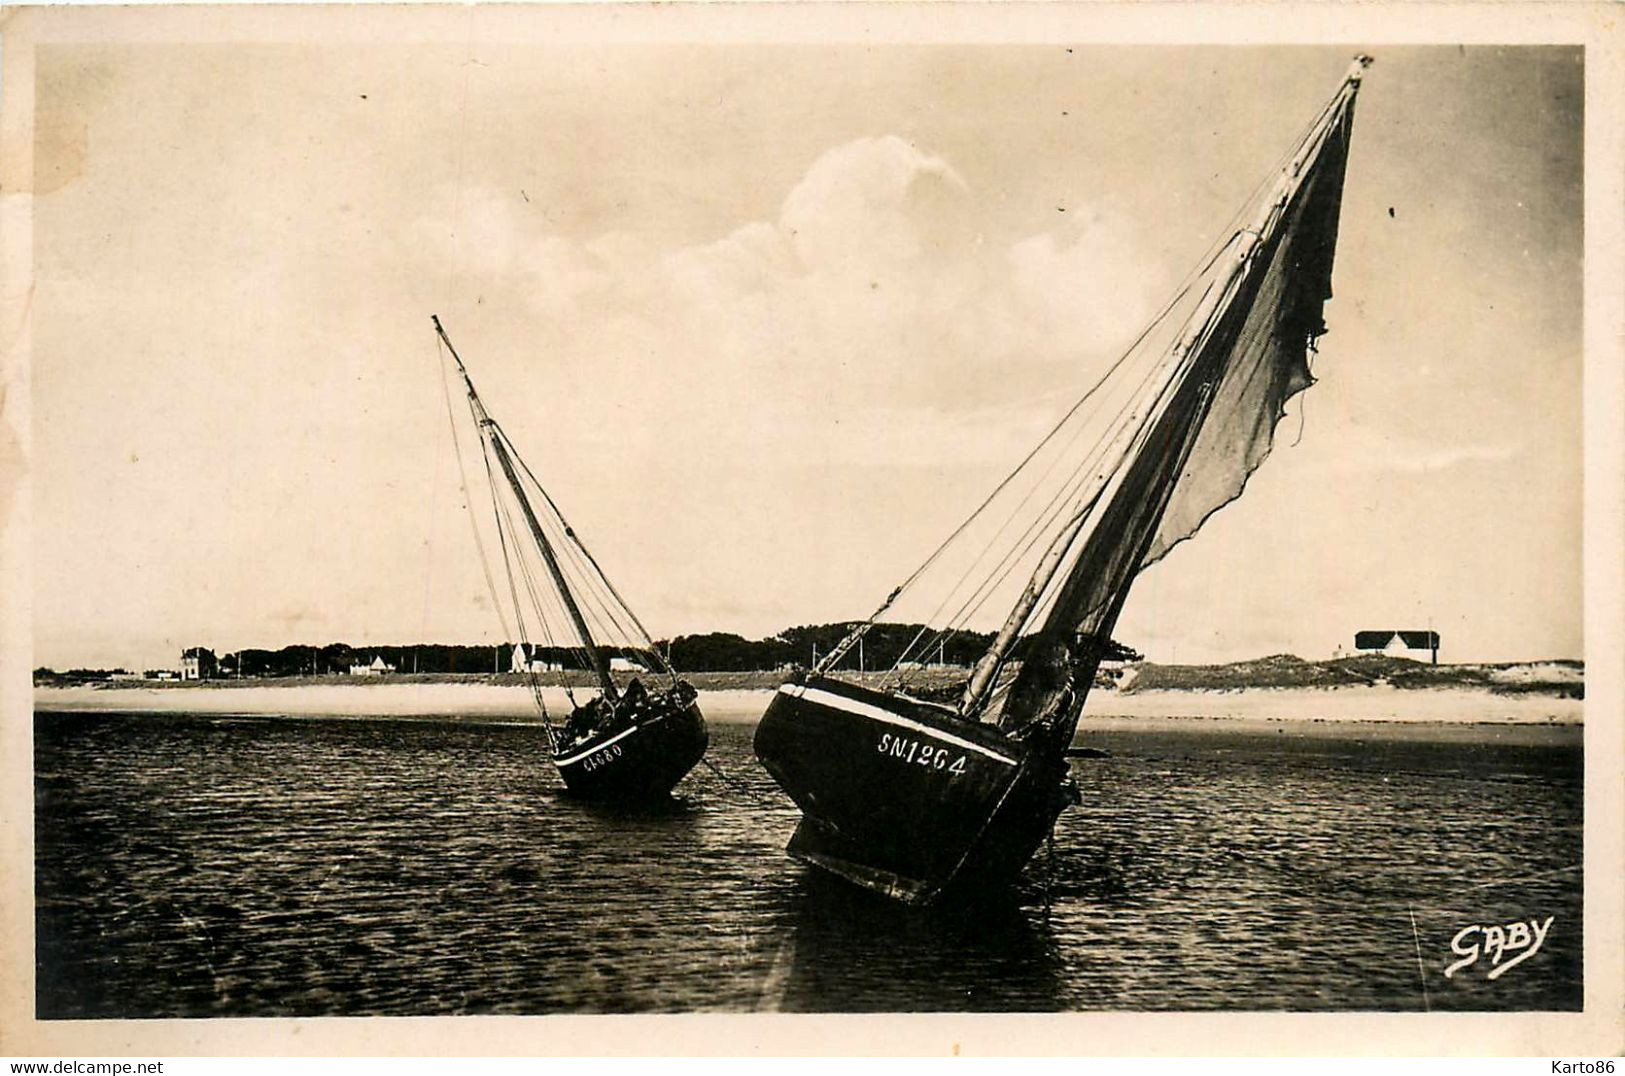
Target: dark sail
1269,362
1215,427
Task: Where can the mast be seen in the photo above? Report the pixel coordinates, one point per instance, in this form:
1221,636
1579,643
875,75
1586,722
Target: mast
1175,368
488,426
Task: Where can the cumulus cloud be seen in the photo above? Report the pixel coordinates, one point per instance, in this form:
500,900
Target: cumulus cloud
875,204
873,300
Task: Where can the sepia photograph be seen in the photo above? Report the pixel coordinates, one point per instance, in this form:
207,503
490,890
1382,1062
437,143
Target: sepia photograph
541,512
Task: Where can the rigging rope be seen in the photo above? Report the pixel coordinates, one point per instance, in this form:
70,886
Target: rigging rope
462,475
479,543
1226,237
535,595
530,589
575,542
741,788
1074,483
1069,489
502,515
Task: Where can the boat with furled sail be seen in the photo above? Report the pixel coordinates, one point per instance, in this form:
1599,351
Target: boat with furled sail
629,742
924,798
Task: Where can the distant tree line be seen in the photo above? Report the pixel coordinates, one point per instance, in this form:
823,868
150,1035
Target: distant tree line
413,658
45,674
882,647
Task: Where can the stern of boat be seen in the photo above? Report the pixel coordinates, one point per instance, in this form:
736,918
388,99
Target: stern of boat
642,761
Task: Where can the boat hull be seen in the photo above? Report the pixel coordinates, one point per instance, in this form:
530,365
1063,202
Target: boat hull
904,798
641,762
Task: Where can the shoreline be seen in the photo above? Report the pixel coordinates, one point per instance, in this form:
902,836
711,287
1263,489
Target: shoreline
1364,705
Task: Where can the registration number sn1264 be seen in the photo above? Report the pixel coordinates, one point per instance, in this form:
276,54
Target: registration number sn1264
914,752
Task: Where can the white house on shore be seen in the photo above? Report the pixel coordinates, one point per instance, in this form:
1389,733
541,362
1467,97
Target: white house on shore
198,663
531,661
376,667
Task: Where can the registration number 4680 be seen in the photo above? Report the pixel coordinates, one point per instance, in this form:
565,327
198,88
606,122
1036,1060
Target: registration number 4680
910,750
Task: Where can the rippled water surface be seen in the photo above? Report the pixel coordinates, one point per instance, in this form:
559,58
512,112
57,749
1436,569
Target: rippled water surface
209,866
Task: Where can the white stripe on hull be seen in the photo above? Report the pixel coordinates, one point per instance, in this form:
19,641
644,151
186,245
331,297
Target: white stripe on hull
864,709
596,747
653,721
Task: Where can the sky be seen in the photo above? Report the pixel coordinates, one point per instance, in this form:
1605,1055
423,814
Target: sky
769,321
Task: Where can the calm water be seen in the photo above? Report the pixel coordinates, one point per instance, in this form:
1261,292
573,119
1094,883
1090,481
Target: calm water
209,866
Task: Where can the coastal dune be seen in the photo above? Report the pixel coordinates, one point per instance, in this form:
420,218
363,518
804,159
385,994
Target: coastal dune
1340,704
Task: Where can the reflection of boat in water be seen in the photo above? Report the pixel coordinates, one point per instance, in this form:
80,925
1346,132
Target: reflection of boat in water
848,950
628,742
916,798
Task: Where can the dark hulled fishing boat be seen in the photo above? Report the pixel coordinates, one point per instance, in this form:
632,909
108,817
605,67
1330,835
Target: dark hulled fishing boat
628,742
923,800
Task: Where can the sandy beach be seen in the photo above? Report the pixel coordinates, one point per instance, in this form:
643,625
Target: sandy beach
490,701
1380,703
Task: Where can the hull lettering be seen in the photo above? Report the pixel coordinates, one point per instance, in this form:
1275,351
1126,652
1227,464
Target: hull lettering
912,752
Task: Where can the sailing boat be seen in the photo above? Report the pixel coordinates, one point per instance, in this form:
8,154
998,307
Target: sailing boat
923,799
628,742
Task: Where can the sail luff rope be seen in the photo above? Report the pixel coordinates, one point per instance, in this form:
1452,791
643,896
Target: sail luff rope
846,644
519,613
1024,543
552,645
1030,538
1192,351
540,608
600,664
536,603
1039,590
1206,316
1224,238
1066,493
544,547
574,539
1204,405
1259,244
479,543
1167,372
511,555
996,574
1218,375
533,593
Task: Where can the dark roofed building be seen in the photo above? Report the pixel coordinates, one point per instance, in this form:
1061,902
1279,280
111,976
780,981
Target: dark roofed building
1395,643
1420,640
